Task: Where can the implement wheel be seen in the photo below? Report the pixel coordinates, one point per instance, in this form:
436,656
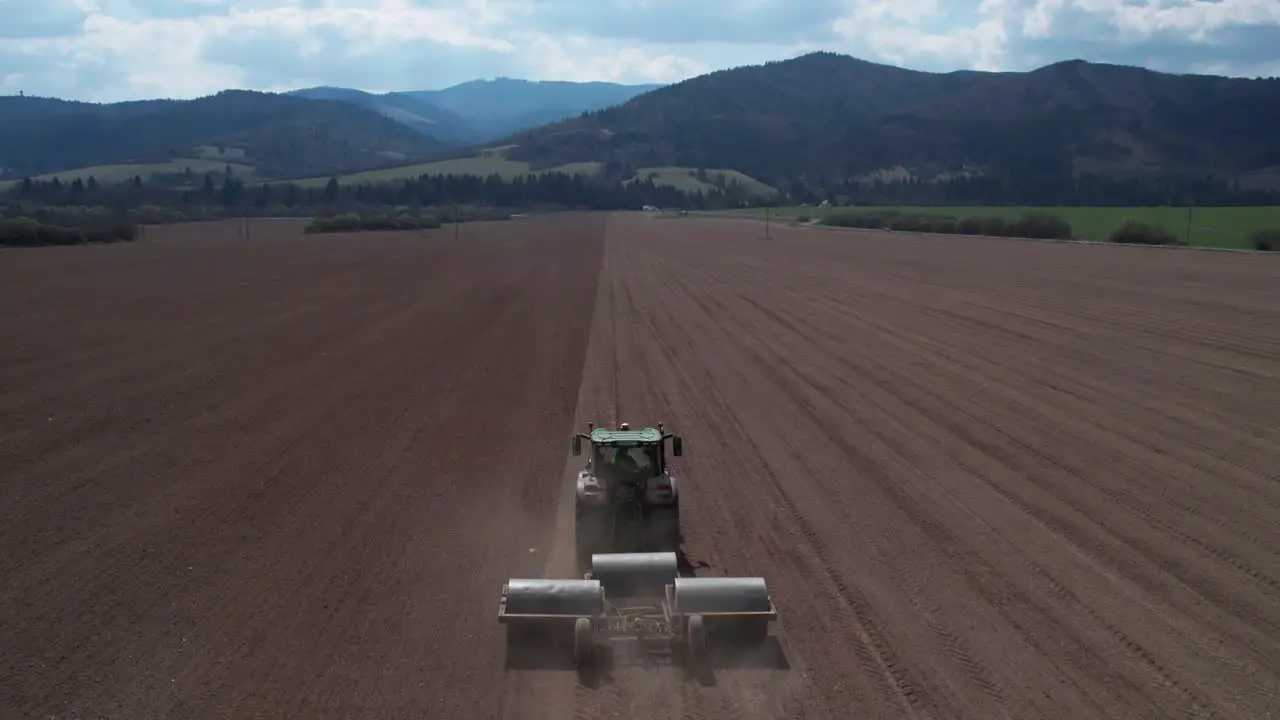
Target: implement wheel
696,639
583,642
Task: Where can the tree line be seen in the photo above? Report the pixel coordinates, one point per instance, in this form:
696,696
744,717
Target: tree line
188,196
209,192
1030,189
1036,224
230,192
54,212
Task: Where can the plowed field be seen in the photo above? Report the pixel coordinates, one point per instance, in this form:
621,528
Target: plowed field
286,475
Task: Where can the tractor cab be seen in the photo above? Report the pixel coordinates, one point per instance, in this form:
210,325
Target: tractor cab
639,460
638,453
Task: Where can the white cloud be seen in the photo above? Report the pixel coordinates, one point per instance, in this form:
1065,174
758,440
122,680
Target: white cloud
906,34
123,49
584,59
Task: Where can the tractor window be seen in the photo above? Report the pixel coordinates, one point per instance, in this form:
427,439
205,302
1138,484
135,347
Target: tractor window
645,457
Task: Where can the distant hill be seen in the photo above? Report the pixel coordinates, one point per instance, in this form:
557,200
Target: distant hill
484,110
276,135
812,127
825,118
493,161
315,132
421,115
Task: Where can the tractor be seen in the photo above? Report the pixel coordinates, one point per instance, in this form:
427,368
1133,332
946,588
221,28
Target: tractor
627,499
633,590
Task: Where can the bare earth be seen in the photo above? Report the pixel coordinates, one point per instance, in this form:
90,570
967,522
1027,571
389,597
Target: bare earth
286,476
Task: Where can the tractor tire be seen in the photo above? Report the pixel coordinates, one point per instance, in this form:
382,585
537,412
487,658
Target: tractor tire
586,538
674,536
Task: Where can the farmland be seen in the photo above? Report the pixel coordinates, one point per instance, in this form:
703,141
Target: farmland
485,164
1227,227
206,159
493,161
216,160
489,161
126,172
686,179
481,165
983,479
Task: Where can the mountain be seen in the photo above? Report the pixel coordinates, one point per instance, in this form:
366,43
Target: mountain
421,115
484,110
279,136
24,107
502,106
816,122
825,117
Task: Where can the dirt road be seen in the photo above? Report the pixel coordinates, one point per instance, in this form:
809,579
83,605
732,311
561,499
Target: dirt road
983,479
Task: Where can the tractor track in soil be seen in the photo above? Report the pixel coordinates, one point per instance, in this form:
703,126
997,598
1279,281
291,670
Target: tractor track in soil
983,479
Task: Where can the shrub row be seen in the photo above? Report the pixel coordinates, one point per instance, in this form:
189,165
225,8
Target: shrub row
1034,224
355,222
1137,232
1143,233
1266,240
28,232
471,213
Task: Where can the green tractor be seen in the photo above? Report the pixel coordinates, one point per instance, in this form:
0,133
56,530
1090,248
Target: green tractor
627,499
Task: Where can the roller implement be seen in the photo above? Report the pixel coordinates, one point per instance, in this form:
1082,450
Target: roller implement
627,497
638,598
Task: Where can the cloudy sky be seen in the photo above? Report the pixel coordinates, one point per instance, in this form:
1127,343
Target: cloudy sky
127,49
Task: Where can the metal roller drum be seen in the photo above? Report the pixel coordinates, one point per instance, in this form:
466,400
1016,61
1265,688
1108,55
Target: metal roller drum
716,595
567,598
635,574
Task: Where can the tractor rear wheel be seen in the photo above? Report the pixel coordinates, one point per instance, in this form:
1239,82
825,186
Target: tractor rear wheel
583,555
586,537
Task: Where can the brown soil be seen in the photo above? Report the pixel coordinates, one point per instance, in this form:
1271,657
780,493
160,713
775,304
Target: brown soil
287,476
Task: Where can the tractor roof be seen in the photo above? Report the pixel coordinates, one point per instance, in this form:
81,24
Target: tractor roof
643,435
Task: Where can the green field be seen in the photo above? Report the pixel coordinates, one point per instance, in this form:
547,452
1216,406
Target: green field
493,161
223,154
490,162
484,166
107,174
1228,227
686,180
